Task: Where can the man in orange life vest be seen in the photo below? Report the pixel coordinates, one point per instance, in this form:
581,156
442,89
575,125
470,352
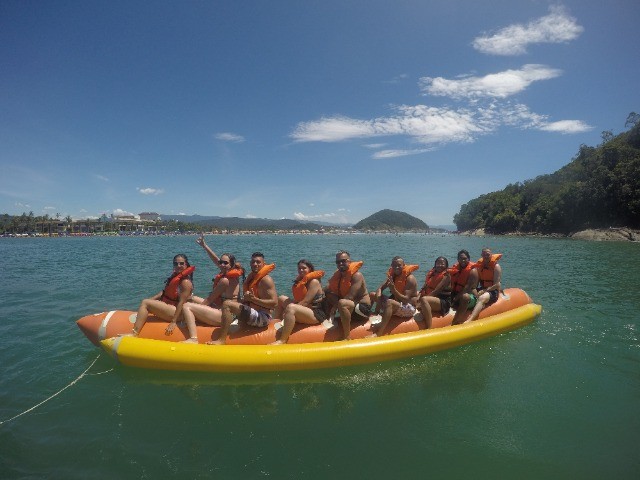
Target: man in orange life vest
260,297
464,280
347,293
403,287
490,276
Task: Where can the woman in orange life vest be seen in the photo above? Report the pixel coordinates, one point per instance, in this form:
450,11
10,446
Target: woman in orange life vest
259,298
306,305
489,286
403,286
226,286
435,295
168,304
464,280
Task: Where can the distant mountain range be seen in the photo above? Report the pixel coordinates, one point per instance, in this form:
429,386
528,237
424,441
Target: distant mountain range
237,223
382,220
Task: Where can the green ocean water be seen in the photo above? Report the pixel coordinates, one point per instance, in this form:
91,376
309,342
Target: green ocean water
556,399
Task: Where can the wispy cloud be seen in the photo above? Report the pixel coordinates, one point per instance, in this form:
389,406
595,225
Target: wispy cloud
150,191
100,177
382,154
424,124
495,85
325,217
229,137
433,125
374,146
566,126
556,27
397,79
118,212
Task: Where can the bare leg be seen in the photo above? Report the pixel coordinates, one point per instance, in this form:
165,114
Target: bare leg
294,313
390,307
229,308
283,301
345,307
462,308
190,320
156,307
482,301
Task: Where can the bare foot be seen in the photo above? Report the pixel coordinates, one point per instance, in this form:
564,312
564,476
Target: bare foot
216,342
190,340
277,342
132,334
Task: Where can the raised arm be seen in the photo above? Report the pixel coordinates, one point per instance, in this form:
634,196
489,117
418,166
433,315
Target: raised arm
212,255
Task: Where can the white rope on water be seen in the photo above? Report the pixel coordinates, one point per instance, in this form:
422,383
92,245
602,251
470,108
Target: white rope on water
57,393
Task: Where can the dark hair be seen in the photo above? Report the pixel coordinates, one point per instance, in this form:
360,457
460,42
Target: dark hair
257,254
341,252
446,262
186,261
233,263
396,258
307,263
465,252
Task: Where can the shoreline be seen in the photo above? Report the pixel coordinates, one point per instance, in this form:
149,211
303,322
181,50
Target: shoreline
611,234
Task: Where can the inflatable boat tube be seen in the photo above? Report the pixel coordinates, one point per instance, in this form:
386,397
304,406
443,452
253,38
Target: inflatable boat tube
101,326
166,355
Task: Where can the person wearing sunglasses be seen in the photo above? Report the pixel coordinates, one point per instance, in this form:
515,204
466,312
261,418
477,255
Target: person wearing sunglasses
259,298
168,304
226,286
347,293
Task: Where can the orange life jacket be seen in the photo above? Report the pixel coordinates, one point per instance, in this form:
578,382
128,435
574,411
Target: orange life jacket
486,270
459,277
341,284
170,293
299,288
400,281
432,280
233,273
252,281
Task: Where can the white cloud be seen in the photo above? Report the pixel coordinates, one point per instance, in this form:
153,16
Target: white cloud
332,129
374,146
118,212
325,217
48,208
150,191
425,124
248,215
100,177
566,126
435,125
229,137
398,153
557,27
495,85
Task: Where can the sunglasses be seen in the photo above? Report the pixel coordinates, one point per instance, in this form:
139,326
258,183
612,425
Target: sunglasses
176,264
223,262
344,260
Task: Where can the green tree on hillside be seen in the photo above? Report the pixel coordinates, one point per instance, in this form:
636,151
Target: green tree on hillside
599,188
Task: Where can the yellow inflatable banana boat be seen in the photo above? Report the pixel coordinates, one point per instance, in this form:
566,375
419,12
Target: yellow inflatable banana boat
168,355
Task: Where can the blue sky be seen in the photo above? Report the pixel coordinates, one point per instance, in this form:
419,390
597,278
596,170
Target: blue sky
317,110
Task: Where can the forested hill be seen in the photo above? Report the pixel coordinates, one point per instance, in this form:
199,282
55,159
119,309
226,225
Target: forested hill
391,220
600,188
